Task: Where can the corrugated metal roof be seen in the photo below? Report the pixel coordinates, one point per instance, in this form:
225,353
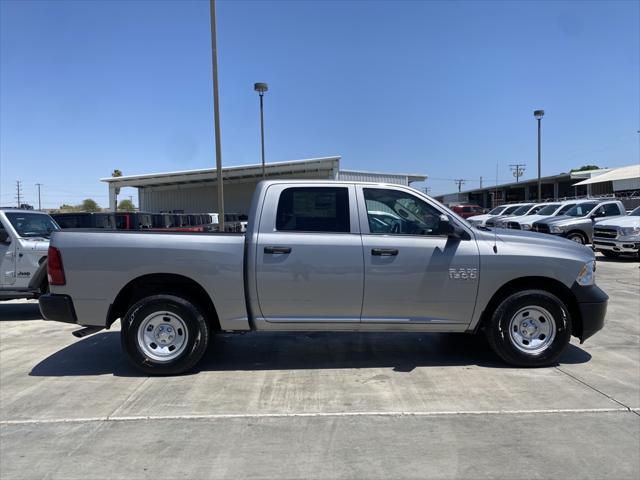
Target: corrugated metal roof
622,173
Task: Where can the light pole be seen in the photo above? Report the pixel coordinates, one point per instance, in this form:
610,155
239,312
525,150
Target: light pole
216,114
261,88
538,114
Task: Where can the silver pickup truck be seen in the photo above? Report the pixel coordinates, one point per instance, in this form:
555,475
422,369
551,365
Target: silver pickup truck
333,256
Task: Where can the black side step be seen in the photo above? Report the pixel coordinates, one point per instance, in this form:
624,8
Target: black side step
86,331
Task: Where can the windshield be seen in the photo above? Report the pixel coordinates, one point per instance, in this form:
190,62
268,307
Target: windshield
32,224
635,212
497,210
581,209
548,209
566,208
522,210
512,210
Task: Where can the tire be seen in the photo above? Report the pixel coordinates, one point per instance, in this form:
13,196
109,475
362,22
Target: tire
578,237
609,253
530,328
164,334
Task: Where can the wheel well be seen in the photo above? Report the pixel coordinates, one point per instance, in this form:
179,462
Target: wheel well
168,283
581,233
547,284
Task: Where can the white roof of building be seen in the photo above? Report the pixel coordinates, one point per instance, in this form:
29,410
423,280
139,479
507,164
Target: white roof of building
328,166
622,173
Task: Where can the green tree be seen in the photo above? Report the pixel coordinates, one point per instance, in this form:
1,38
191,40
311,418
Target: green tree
89,205
65,207
585,167
126,205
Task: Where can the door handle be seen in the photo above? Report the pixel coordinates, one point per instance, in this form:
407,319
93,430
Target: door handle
384,252
277,250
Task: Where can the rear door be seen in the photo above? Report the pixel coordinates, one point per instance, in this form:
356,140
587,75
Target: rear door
309,266
416,276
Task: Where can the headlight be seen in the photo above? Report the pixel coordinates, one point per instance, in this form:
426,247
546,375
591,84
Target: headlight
525,226
628,231
556,229
587,274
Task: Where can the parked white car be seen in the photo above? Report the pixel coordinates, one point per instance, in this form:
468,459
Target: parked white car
24,241
519,214
549,210
618,235
481,220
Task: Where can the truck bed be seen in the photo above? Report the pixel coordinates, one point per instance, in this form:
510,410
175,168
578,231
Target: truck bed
99,264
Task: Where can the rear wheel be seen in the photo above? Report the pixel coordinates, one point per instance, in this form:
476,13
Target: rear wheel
164,334
578,237
530,328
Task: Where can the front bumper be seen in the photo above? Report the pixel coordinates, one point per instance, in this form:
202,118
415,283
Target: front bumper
58,308
620,246
592,305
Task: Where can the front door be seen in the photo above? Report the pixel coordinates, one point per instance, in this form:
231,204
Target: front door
309,265
415,274
7,259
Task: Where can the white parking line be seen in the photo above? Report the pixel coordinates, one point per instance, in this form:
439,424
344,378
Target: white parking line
224,416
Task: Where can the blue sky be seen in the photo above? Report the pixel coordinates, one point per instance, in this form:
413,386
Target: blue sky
441,88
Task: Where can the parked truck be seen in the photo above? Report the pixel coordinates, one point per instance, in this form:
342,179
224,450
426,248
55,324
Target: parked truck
618,235
577,223
24,242
332,256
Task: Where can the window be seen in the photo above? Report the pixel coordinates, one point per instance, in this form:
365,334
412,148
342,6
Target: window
611,209
395,212
313,209
581,209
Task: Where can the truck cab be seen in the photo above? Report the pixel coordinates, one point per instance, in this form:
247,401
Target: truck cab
24,240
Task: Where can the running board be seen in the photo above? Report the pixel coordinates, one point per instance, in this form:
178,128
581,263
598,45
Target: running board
85,332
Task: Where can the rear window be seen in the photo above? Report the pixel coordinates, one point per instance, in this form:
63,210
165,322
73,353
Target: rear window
313,209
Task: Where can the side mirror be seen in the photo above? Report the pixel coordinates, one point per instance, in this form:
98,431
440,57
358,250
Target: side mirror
4,236
450,229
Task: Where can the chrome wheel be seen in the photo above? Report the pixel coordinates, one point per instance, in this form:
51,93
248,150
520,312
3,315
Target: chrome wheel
532,330
162,336
576,237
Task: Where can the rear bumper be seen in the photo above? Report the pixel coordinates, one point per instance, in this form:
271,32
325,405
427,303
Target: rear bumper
592,304
58,308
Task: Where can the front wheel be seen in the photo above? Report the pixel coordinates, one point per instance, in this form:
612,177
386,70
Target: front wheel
164,334
530,328
578,238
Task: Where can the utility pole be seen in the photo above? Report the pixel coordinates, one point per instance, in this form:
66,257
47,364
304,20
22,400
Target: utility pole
518,170
480,181
216,114
19,192
460,182
39,204
538,114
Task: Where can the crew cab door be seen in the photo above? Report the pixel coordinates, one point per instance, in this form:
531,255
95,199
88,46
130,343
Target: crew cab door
416,276
309,265
7,256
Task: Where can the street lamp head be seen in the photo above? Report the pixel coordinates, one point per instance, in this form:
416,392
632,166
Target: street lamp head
538,114
260,87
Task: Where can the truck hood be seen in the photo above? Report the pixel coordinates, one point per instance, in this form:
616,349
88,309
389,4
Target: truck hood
537,242
529,219
560,218
625,221
484,216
